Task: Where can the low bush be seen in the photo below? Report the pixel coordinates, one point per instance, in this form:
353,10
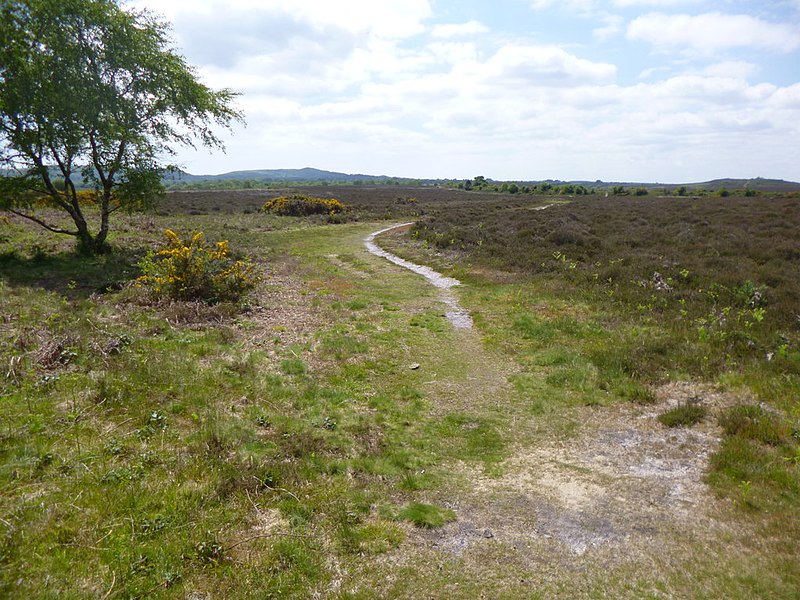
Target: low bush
684,415
195,270
85,198
753,422
301,205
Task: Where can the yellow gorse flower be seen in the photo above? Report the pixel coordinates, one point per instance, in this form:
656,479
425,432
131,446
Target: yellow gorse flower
196,270
300,205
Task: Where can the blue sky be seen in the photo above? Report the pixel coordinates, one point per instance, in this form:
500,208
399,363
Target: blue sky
619,90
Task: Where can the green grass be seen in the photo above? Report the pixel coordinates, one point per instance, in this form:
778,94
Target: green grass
140,442
427,516
171,449
293,366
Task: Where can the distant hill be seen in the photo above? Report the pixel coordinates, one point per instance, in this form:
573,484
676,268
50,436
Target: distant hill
285,175
309,174
759,184
180,179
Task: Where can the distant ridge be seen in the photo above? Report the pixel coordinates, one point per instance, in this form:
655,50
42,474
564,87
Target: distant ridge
310,174
288,175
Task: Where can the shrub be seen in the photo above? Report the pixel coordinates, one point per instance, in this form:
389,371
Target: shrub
194,270
753,422
637,393
85,198
684,415
300,205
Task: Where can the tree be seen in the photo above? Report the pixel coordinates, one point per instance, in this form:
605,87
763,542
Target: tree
93,95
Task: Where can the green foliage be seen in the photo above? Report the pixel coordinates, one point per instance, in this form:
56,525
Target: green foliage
683,415
636,393
758,461
372,538
301,205
754,423
293,366
427,516
194,270
93,95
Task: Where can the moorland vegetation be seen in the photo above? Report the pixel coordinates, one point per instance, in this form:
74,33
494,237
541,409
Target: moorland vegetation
275,443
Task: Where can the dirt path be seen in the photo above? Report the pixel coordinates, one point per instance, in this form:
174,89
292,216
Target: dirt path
455,313
621,492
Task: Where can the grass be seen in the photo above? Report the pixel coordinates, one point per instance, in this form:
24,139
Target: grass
427,516
146,440
165,450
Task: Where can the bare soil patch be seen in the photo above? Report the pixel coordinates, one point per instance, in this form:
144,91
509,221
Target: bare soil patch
622,488
283,312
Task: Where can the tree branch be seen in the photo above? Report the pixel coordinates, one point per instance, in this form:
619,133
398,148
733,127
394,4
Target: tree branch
39,221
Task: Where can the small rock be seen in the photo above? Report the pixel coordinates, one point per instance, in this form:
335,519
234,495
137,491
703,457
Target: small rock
660,283
488,534
414,366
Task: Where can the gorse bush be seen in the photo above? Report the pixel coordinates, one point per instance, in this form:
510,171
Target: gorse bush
195,270
301,205
86,198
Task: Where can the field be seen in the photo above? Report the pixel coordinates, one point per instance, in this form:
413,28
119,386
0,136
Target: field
623,421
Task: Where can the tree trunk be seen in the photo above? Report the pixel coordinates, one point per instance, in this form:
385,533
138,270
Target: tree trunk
91,244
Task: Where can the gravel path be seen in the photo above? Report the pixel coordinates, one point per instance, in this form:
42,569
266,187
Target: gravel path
455,312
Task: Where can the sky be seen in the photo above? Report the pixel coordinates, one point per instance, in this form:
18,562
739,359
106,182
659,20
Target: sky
669,91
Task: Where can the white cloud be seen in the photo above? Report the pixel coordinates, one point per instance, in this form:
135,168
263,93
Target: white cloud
544,65
468,29
358,86
711,32
627,3
612,26
580,6
787,98
735,69
393,19
590,6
